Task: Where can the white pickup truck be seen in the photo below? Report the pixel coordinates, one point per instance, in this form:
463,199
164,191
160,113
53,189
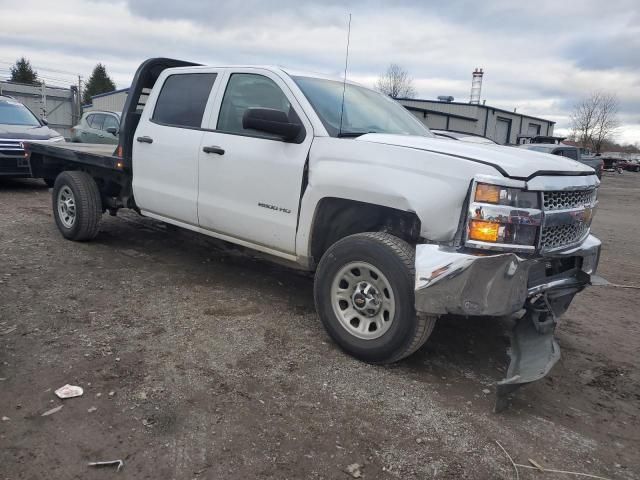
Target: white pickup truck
399,226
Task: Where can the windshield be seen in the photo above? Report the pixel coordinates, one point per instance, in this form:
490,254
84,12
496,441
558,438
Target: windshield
365,111
14,113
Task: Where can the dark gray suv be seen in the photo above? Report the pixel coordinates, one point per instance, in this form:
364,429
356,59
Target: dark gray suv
18,124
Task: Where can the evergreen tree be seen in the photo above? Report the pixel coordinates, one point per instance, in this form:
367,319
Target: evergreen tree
23,72
99,82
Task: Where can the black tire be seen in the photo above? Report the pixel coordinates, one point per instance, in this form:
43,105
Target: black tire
88,206
394,258
50,182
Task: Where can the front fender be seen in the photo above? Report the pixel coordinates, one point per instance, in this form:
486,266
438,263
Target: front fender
432,185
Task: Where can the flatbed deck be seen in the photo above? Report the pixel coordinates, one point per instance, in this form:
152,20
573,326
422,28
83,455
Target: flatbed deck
94,154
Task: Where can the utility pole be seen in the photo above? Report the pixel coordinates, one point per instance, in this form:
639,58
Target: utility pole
43,90
79,97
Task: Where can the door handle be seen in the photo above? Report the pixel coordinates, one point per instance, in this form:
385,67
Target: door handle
145,139
213,149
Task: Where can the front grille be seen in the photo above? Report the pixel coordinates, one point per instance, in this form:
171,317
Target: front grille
567,217
568,199
562,235
11,148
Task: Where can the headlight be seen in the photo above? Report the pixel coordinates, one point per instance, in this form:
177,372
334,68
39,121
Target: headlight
503,217
499,195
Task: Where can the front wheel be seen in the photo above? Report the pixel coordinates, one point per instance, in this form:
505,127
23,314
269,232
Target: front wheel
364,295
77,205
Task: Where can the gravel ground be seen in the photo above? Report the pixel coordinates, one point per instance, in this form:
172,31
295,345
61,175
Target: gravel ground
199,361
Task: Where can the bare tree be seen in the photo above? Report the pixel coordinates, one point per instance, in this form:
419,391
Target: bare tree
606,120
594,119
396,83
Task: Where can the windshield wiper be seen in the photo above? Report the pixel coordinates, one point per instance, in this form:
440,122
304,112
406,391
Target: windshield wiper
353,134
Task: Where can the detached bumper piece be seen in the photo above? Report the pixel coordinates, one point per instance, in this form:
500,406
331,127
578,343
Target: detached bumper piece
534,351
531,293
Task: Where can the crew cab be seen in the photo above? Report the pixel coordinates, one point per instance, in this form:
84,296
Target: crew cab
399,227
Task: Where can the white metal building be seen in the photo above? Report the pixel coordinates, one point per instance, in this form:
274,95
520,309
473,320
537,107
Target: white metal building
501,126
110,102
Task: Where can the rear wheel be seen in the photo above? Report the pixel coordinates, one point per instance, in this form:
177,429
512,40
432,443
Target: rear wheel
364,294
77,206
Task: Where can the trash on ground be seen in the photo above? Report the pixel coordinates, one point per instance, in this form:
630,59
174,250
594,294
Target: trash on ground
110,463
92,409
52,411
69,391
5,419
354,470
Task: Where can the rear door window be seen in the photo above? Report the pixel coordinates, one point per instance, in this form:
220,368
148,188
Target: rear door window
96,121
183,99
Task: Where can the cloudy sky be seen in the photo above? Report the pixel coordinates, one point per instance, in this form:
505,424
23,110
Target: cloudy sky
538,57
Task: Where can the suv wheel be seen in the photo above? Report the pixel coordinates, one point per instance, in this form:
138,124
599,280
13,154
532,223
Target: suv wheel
364,294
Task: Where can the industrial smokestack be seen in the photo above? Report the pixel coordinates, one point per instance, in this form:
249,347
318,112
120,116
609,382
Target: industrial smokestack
476,86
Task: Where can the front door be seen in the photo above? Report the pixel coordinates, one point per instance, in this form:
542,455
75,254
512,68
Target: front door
250,181
166,146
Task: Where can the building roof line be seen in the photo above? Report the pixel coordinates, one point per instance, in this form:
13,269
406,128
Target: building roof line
438,112
496,109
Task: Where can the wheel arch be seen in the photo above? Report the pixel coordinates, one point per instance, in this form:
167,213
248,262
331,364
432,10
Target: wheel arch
335,218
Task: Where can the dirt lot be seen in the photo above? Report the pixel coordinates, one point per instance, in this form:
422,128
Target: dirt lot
202,362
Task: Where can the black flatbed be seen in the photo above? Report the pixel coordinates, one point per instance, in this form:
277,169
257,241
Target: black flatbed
93,154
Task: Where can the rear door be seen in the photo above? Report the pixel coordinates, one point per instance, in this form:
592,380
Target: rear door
167,144
93,133
250,181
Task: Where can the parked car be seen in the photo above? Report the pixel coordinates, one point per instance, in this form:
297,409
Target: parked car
630,165
463,137
399,227
97,127
18,124
569,152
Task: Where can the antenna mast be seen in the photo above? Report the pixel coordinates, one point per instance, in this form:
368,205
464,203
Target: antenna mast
344,82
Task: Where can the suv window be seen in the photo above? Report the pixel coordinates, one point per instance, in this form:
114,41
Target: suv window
111,121
570,153
183,98
249,90
96,121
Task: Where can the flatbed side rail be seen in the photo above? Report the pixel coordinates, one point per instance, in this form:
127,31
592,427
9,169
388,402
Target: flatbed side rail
42,154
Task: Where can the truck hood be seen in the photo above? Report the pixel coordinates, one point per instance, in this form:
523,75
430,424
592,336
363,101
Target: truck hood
510,161
26,132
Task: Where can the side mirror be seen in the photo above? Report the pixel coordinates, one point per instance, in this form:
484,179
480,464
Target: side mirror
44,121
273,121
112,130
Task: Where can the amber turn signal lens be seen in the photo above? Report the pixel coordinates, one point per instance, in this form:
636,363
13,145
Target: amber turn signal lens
487,193
483,231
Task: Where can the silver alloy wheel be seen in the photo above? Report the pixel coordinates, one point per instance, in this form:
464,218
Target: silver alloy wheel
363,300
66,206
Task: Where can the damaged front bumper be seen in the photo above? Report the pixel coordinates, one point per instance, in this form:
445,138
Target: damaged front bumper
531,292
